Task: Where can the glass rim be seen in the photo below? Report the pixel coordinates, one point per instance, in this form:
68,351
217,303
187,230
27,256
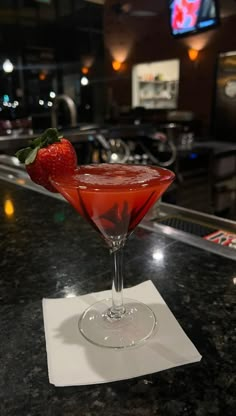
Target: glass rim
60,180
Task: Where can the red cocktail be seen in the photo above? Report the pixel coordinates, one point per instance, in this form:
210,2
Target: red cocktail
114,198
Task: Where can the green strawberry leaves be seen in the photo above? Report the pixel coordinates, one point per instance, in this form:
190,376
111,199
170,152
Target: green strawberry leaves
32,155
29,154
23,154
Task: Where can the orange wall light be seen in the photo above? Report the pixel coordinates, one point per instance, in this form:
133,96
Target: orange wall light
84,70
193,54
116,65
42,76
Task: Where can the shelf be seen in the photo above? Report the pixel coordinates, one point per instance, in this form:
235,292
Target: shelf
156,82
155,99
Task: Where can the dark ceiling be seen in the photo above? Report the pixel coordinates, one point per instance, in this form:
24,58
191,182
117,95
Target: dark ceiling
83,14
46,23
71,27
34,12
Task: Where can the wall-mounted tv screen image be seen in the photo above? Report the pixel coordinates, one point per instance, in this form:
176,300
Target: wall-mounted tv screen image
188,17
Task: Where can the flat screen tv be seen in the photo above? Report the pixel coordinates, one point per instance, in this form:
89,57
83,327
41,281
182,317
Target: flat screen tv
189,17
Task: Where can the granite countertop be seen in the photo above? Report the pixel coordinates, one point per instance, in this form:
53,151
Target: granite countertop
47,250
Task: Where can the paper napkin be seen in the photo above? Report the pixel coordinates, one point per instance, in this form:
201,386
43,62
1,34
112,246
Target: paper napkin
74,361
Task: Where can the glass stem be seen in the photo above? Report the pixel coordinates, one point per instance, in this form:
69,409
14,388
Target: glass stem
117,310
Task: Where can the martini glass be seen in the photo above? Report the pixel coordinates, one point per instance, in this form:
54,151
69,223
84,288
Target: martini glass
114,198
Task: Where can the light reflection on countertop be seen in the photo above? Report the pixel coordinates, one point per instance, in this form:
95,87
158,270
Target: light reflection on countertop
9,208
158,255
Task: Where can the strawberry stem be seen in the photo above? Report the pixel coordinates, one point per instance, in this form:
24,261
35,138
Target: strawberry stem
28,154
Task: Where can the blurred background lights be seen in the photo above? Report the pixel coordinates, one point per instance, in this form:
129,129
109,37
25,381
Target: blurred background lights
15,104
6,98
114,157
52,94
84,70
116,65
84,81
7,66
42,76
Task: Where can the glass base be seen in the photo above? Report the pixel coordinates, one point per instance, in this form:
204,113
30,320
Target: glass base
134,327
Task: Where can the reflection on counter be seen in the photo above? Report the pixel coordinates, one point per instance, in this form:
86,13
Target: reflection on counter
9,207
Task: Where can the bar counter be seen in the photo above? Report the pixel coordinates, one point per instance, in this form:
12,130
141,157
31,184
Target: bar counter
48,251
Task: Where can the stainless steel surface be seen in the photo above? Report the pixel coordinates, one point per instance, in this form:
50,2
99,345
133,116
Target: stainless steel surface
11,161
190,239
217,222
71,107
19,176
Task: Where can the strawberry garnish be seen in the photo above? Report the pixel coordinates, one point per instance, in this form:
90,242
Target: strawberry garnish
47,156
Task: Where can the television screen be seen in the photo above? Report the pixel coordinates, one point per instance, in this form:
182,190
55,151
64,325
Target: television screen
189,17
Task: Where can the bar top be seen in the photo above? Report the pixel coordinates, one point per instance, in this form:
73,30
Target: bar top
47,250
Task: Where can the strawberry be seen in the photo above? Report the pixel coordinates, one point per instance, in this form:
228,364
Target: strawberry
46,156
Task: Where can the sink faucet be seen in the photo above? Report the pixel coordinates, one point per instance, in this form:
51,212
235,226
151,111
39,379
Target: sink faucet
71,107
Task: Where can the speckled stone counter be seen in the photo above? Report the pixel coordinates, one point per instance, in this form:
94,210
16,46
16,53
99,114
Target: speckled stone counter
47,250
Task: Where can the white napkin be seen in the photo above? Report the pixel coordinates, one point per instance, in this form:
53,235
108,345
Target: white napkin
74,361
